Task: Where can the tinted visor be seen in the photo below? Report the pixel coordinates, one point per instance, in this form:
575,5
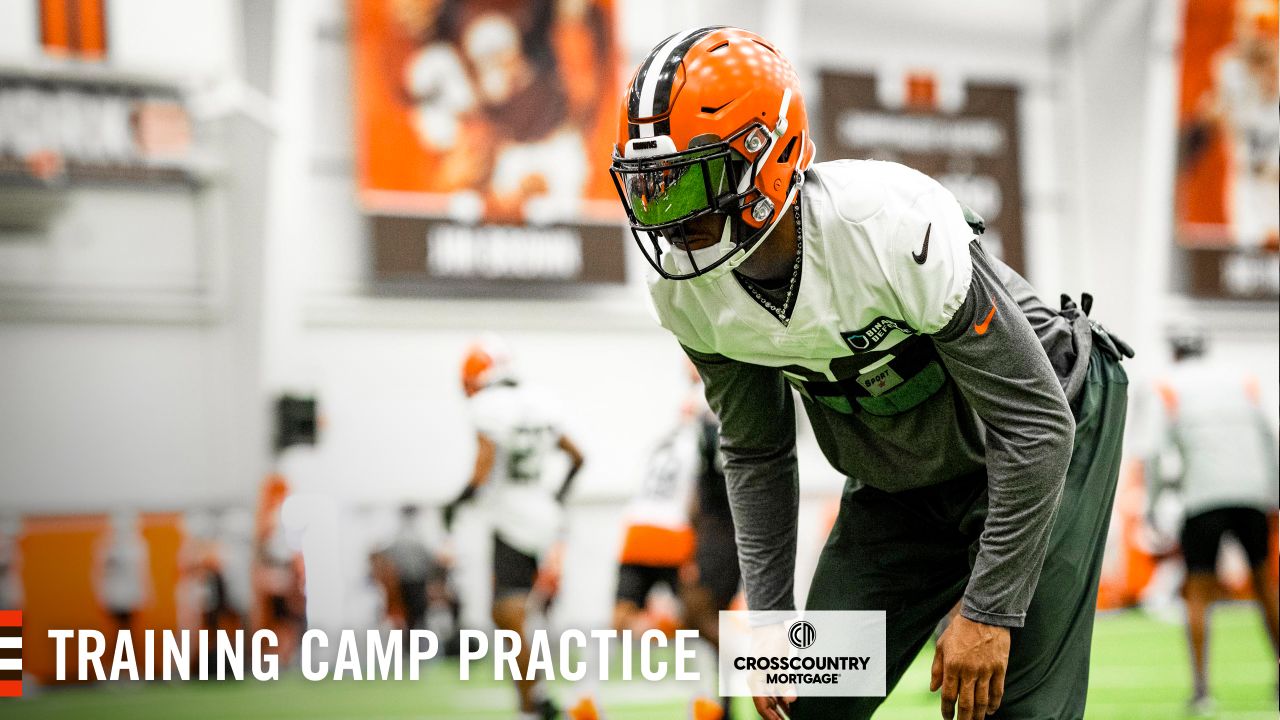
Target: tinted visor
661,191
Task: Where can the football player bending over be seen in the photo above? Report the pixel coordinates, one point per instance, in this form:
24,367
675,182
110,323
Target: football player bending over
979,428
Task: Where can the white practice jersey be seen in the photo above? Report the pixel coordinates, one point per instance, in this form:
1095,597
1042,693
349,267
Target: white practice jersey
525,427
1215,425
667,490
125,572
872,216
917,357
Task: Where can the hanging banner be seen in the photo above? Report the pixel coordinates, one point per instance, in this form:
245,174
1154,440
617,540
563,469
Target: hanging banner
484,129
57,128
1227,207
963,135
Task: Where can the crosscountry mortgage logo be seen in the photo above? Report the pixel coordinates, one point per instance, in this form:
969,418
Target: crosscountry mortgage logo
802,634
779,653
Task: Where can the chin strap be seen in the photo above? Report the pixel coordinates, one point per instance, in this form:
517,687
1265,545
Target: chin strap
782,212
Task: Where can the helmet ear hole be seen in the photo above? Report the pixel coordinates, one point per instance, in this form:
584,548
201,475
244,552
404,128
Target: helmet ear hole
786,151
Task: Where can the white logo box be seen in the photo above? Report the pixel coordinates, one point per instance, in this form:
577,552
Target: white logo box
821,653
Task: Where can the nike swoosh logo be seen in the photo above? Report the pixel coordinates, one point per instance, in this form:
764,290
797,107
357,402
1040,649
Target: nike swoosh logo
924,251
981,328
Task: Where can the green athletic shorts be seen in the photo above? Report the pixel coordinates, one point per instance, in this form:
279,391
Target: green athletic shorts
910,554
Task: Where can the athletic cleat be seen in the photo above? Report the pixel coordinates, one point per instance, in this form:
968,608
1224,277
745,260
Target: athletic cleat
547,710
585,709
1202,706
706,709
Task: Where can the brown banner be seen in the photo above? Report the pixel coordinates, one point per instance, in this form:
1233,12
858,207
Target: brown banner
485,258
1232,273
971,148
56,130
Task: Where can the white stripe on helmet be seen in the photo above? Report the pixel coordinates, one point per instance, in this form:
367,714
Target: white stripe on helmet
651,73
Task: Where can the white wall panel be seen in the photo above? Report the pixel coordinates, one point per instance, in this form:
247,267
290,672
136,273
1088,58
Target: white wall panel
187,38
95,417
19,30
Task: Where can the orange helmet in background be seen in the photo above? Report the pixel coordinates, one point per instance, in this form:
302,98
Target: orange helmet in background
487,360
712,122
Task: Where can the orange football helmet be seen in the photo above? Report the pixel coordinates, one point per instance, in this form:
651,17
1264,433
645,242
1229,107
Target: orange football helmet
486,361
712,122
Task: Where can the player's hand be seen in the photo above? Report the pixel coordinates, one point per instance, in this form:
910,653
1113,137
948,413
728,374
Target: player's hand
773,708
772,700
969,665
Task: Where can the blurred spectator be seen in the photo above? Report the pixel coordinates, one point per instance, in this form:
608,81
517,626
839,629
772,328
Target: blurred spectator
1226,480
712,582
412,564
217,573
277,574
233,542
124,583
10,577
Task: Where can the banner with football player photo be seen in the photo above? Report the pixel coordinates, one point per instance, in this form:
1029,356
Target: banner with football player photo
478,125
1227,200
965,135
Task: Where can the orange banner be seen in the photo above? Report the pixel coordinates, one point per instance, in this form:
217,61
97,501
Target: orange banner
493,110
1228,177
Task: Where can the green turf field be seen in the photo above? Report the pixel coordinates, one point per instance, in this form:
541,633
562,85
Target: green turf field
1139,671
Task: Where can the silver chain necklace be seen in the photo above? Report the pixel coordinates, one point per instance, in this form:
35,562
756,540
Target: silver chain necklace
780,311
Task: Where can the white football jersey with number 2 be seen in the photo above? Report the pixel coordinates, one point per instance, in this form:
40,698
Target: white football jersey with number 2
525,426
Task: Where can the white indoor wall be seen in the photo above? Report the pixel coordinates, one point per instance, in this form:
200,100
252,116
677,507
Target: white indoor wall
102,416
18,42
192,39
115,354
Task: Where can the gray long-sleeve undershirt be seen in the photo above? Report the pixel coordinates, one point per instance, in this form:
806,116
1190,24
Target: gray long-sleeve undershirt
1002,409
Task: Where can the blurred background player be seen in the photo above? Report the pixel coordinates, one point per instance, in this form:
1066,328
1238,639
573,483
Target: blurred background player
679,534
277,571
516,432
412,564
658,539
657,542
1226,480
10,577
214,592
714,579
125,581
233,543
203,563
